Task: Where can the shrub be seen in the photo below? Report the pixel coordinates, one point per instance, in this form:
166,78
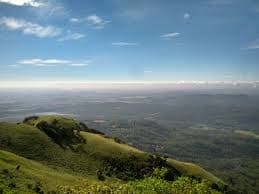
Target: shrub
100,175
132,167
149,185
62,136
30,118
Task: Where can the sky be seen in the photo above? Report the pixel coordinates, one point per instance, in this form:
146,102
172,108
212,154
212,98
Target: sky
129,40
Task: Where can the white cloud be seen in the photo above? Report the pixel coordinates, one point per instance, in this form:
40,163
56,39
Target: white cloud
40,62
148,71
54,62
96,21
32,3
169,36
74,20
51,8
125,44
128,85
72,36
93,20
186,16
29,28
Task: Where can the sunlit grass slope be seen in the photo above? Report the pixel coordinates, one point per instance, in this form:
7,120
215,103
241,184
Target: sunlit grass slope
30,142
193,170
65,149
23,175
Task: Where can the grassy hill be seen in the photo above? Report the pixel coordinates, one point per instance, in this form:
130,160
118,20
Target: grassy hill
23,175
43,152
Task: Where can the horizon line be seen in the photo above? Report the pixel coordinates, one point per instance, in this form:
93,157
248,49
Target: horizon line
113,84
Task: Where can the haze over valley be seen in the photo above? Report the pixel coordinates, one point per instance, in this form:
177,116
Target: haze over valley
219,131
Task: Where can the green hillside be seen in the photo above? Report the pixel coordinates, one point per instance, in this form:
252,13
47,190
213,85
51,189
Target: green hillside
53,150
23,175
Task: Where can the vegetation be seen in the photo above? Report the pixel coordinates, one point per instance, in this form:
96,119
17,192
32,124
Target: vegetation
31,176
154,184
45,151
230,155
133,167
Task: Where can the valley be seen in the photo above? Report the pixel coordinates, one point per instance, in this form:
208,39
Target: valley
218,132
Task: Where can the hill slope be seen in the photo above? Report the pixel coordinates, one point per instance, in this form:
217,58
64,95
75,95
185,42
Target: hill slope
23,175
69,150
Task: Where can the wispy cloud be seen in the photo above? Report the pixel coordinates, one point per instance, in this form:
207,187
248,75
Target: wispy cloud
96,21
29,28
125,44
38,30
169,36
32,3
186,16
43,62
132,85
53,62
51,8
253,45
75,20
72,36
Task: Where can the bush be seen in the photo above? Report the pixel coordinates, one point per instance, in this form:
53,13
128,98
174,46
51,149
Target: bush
62,136
149,185
100,175
30,118
132,167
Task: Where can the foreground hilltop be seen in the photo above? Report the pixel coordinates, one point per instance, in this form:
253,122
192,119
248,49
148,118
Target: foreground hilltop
55,154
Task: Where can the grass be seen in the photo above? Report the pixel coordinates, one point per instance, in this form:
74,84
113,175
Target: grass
43,160
31,174
193,170
29,142
106,146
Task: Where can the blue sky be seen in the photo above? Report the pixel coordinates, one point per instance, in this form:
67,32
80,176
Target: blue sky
119,40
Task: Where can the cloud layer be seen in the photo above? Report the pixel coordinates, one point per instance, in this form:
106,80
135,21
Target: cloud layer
96,21
29,28
53,62
169,36
93,20
32,3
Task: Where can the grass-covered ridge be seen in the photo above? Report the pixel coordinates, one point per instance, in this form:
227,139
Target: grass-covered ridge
23,175
64,146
